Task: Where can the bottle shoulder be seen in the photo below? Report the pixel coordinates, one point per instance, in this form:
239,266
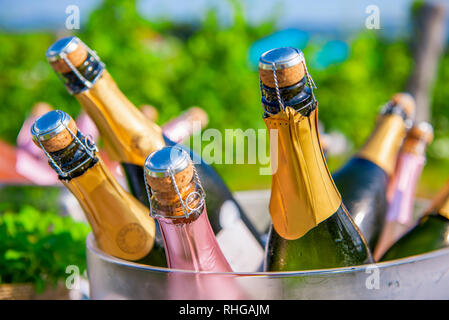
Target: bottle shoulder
430,233
335,242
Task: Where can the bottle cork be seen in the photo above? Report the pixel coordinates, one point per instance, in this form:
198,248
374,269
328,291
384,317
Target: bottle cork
288,64
418,137
198,114
57,137
164,184
407,102
150,112
75,51
166,200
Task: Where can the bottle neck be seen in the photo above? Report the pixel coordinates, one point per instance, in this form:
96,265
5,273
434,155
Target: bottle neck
181,128
128,136
91,69
401,189
303,193
415,146
297,96
120,223
189,240
191,244
73,159
383,145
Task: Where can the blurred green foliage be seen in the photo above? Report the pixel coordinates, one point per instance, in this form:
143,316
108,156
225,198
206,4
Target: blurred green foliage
14,197
174,67
36,247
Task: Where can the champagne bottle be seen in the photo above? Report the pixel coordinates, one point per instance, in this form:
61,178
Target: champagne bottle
363,180
311,227
401,188
179,129
182,127
129,137
178,203
430,233
120,223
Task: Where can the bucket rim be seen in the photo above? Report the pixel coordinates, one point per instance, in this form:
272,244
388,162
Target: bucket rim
92,247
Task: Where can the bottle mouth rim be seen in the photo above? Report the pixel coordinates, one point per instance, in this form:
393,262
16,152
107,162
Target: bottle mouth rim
64,45
55,122
167,161
291,57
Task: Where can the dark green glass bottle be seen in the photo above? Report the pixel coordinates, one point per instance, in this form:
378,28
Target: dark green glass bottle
333,243
363,180
302,177
430,233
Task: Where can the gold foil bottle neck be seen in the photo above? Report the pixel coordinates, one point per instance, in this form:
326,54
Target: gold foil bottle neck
303,192
128,136
382,147
120,223
440,203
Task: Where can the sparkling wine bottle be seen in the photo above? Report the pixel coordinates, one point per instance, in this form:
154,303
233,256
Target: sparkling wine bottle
401,188
311,227
182,127
430,233
363,180
121,224
129,137
178,203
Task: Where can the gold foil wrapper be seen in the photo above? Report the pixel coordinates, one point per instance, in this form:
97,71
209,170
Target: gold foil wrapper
121,224
440,204
303,192
382,147
128,136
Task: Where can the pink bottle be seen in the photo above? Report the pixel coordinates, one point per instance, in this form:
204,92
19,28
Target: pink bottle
401,188
181,128
178,204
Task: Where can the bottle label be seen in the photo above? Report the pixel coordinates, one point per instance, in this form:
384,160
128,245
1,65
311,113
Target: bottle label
238,245
383,145
303,192
132,238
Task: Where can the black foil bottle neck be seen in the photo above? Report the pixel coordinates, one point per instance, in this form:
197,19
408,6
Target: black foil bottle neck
70,157
91,69
297,96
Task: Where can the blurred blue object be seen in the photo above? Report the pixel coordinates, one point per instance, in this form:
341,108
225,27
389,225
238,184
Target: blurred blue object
332,52
285,38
